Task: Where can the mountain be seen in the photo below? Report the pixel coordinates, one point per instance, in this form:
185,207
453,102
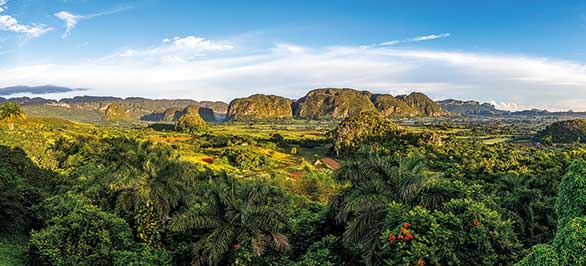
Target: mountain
115,112
423,103
45,89
332,103
390,106
259,107
92,108
174,113
470,107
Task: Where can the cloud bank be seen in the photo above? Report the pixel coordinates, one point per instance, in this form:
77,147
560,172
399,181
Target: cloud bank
179,50
9,23
200,68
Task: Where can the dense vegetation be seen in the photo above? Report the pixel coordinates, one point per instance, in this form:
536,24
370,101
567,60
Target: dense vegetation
568,131
366,191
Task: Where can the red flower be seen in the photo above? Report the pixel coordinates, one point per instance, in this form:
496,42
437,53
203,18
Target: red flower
392,238
420,262
406,225
476,222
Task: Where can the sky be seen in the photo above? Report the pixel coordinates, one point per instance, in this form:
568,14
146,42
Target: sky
514,54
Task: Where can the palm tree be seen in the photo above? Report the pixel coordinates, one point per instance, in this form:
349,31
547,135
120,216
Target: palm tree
149,182
11,112
374,183
233,216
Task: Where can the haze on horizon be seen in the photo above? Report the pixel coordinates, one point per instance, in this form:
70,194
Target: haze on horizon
514,54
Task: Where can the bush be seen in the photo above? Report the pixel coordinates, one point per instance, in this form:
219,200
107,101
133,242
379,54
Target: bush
85,235
245,157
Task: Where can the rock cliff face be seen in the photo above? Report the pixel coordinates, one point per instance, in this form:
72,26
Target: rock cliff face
114,112
390,106
260,107
332,103
470,107
174,113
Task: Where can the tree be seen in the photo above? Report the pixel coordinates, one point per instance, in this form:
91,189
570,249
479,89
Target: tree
10,112
359,128
78,233
569,246
149,182
191,123
234,219
374,183
461,231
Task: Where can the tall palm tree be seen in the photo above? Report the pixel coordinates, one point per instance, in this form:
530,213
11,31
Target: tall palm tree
149,181
374,183
10,112
232,215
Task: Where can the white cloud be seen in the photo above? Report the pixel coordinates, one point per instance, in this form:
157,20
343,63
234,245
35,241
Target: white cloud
416,39
429,37
179,50
71,19
509,81
9,23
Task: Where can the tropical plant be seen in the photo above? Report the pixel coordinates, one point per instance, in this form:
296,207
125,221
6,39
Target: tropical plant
374,183
149,182
569,246
232,218
10,112
360,128
82,235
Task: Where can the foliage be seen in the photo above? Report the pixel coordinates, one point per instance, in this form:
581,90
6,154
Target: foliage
10,112
569,131
373,184
166,193
142,256
358,129
461,231
245,157
234,217
85,235
569,245
191,123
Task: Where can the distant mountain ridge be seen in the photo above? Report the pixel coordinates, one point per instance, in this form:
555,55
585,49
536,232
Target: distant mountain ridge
93,108
44,89
317,104
470,107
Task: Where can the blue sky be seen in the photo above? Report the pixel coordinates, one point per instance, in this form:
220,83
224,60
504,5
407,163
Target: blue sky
515,54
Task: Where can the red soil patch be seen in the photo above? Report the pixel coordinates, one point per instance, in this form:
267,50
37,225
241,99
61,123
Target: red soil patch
330,162
296,174
209,160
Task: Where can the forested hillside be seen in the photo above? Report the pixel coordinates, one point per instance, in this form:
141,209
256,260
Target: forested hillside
364,191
